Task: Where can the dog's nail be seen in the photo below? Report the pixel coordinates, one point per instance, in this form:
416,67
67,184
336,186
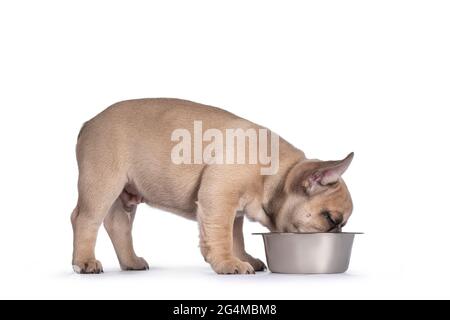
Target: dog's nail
76,269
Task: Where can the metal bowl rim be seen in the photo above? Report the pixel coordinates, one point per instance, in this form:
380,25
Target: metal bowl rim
303,233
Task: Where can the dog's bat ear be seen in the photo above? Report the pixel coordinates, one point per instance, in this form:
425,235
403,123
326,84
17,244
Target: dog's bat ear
330,171
312,176
323,174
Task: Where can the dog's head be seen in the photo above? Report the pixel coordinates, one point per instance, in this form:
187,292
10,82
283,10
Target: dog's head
316,198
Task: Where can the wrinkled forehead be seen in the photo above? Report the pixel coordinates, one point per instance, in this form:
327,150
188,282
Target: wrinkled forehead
342,198
337,198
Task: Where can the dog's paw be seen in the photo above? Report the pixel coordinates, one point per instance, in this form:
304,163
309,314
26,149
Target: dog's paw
138,264
257,264
91,266
233,266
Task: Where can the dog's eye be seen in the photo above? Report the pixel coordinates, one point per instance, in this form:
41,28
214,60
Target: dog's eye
328,216
326,213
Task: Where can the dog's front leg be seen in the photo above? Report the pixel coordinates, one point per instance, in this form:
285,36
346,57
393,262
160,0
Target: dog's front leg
239,246
216,219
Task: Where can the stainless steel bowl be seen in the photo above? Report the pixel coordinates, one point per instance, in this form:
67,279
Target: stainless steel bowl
308,253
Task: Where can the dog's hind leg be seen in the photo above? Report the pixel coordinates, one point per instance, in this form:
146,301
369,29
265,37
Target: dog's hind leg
97,193
118,223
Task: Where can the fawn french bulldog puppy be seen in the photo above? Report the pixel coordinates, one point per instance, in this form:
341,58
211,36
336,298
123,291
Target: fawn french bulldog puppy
126,157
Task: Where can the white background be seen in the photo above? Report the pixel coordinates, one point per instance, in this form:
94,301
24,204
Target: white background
331,77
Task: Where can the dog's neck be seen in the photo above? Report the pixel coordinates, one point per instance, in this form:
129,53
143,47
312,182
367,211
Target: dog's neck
274,191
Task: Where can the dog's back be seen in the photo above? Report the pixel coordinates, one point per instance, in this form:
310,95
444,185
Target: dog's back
132,139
